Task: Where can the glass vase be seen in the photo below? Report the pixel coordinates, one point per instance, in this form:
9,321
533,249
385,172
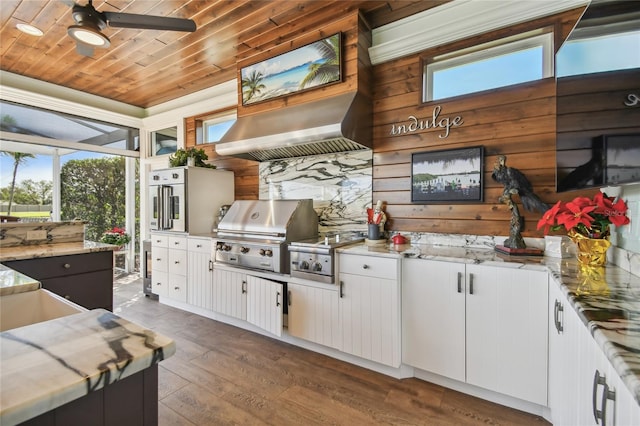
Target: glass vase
591,251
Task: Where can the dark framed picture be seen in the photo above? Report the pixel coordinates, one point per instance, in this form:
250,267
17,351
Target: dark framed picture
307,67
452,175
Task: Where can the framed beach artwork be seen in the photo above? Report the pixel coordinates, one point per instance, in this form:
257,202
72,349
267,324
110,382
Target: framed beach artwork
453,175
307,67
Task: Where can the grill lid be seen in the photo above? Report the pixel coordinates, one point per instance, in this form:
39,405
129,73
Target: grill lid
286,220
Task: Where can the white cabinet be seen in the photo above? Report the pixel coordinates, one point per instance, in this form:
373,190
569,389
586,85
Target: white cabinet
230,293
314,313
369,306
200,272
433,317
169,266
265,300
603,399
564,353
480,324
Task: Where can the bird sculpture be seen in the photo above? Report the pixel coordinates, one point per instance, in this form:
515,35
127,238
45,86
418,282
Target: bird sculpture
515,183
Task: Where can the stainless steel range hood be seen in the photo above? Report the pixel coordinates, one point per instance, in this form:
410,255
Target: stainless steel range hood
337,124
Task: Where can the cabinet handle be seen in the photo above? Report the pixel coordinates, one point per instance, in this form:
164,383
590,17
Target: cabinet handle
470,283
199,245
365,266
556,316
244,287
177,243
158,283
459,282
607,394
66,296
158,260
176,288
211,265
278,299
176,262
341,288
598,380
66,266
289,297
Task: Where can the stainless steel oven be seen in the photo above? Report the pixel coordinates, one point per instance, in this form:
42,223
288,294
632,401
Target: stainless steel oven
167,200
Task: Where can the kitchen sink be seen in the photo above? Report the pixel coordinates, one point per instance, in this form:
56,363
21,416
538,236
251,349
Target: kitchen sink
20,309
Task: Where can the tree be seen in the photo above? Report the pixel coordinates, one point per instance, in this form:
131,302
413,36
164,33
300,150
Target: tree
329,69
18,158
34,192
252,85
93,190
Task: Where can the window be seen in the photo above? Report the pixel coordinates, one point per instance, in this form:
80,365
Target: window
164,141
214,127
509,61
599,53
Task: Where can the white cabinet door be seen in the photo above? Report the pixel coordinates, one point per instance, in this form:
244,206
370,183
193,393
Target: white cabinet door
264,304
230,293
433,316
564,355
177,288
370,309
160,283
507,331
200,274
314,314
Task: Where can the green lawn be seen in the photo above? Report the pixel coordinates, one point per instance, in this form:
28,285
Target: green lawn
28,214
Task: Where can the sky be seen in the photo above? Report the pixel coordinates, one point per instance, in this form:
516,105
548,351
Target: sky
38,168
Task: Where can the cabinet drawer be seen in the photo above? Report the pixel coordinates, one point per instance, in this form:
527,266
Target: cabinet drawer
159,240
177,288
369,266
160,258
177,262
176,242
62,266
199,245
91,290
160,283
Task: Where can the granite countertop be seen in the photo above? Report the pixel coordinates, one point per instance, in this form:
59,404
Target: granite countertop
608,304
49,250
48,364
12,282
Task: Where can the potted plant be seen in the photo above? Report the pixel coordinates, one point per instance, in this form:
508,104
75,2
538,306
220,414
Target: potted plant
116,236
188,157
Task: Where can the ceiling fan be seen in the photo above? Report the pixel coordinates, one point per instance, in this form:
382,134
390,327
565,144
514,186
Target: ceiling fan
90,22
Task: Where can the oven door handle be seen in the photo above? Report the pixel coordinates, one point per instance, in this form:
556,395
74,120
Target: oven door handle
165,211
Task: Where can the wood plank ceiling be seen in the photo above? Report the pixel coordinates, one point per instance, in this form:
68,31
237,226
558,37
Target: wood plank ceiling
147,67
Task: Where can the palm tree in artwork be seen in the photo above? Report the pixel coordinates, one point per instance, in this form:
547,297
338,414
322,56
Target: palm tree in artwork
252,85
329,69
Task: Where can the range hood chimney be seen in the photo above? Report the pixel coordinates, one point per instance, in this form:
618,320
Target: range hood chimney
337,124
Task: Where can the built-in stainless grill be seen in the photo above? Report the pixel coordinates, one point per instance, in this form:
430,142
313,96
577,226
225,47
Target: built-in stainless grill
254,234
314,259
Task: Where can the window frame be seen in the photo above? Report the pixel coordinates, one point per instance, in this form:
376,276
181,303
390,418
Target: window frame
543,38
202,124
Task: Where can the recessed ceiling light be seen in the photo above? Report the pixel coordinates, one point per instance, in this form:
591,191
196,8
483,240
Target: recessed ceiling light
87,34
29,29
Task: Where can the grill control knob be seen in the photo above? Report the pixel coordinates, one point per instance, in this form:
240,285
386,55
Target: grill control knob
244,249
317,266
226,247
261,252
268,253
304,264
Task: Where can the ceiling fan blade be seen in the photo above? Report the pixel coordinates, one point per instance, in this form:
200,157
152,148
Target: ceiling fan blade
147,22
84,49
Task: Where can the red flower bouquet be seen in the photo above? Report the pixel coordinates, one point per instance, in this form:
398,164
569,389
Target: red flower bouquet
116,236
587,217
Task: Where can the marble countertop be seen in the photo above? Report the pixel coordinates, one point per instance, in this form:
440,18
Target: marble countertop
608,303
12,282
48,364
49,250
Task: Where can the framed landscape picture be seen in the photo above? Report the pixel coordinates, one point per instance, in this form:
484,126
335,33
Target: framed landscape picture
453,175
304,68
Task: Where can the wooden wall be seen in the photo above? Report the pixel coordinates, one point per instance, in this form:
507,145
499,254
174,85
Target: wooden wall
356,71
517,121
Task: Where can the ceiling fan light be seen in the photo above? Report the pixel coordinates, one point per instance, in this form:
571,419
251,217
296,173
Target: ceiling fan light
29,29
87,34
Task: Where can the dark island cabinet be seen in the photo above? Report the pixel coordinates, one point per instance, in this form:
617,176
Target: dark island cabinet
85,279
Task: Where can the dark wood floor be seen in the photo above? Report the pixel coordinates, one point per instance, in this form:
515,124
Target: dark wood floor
224,375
